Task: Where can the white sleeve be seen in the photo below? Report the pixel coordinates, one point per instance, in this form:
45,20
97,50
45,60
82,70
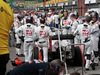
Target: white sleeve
15,26
76,31
51,33
20,29
38,22
74,27
61,23
22,21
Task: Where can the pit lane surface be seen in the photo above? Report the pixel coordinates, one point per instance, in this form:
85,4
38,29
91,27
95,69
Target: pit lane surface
70,68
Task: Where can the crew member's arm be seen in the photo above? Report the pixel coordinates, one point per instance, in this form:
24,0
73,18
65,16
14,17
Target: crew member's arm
38,21
19,31
74,27
15,26
61,23
52,33
76,31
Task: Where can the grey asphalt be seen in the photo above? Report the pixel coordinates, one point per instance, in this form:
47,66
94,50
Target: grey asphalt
70,68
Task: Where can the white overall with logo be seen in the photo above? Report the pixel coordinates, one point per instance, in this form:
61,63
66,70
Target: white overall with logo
29,32
66,27
43,32
85,32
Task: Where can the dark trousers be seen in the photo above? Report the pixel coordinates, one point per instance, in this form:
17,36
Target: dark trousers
3,61
56,25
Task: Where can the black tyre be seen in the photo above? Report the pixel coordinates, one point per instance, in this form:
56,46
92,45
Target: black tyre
54,55
77,60
78,56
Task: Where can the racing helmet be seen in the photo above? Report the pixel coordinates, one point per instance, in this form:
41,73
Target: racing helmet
94,14
20,17
29,19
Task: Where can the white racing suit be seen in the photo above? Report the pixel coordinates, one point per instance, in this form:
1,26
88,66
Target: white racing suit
74,27
95,35
29,32
43,32
38,21
84,32
17,24
35,19
65,25
66,29
79,20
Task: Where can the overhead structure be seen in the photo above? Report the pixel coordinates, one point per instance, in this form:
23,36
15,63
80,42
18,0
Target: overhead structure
51,2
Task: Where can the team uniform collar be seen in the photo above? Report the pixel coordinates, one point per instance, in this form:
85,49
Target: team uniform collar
86,24
42,25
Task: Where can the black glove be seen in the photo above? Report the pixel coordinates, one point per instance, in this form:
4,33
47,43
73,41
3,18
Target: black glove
22,38
52,29
86,40
67,27
99,26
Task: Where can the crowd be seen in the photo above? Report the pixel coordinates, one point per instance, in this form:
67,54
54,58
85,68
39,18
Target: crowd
38,25
34,28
